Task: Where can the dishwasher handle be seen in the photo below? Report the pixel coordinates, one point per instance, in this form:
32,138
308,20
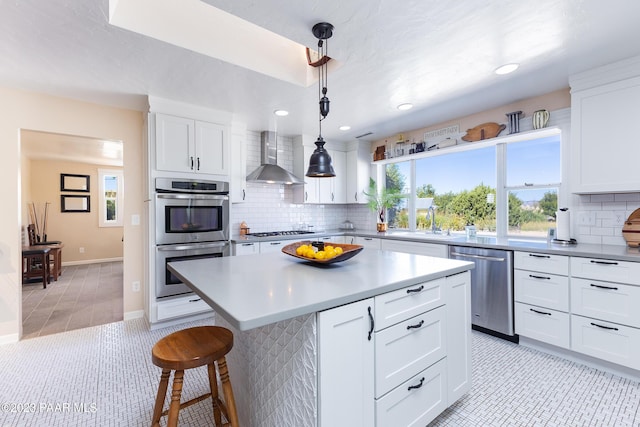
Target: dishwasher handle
483,257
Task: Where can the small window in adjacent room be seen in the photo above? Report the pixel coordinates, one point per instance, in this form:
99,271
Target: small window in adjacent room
110,187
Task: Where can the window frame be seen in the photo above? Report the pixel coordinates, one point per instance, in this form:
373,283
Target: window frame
502,190
102,200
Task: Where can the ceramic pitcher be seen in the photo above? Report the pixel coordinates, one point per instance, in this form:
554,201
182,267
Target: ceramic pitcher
540,119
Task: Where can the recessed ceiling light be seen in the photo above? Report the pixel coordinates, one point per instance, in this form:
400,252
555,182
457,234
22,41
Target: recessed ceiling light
405,106
507,68
345,127
281,113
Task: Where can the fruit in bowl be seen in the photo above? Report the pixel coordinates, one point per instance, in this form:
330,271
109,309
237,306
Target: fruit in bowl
308,251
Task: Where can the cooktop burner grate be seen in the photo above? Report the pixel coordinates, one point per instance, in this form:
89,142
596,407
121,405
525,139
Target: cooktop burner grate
279,233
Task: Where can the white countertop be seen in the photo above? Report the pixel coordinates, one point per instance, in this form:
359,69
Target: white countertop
256,290
616,252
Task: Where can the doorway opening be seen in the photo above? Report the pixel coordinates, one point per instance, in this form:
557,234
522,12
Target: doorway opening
63,197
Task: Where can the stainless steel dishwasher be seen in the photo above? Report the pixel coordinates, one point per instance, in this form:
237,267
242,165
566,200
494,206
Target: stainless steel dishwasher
491,289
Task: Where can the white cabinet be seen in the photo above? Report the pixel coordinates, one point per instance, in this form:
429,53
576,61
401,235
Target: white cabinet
398,359
358,171
458,290
185,145
605,323
605,340
541,293
246,248
238,185
409,347
276,246
604,154
367,242
345,365
419,248
180,307
318,190
417,401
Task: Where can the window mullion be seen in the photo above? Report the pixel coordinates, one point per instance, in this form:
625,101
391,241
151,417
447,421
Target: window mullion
502,210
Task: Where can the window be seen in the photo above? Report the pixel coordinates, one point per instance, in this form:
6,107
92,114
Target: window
110,187
509,187
532,185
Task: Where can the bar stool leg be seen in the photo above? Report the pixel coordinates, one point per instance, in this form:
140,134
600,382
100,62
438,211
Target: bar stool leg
176,392
162,392
215,400
232,416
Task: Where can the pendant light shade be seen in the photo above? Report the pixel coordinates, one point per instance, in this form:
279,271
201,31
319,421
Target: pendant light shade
320,162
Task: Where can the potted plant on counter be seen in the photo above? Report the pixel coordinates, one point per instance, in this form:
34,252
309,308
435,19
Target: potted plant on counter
381,200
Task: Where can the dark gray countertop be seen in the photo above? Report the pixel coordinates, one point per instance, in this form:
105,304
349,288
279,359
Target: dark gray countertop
620,253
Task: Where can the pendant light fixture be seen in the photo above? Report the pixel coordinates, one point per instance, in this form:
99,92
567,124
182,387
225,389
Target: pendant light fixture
320,160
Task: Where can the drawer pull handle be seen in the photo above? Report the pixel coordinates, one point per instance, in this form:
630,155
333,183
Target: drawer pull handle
370,323
611,288
419,325
195,300
413,387
540,312
604,262
604,327
539,256
539,277
412,291
275,243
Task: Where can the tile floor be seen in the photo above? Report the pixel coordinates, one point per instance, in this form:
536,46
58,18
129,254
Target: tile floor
84,295
103,376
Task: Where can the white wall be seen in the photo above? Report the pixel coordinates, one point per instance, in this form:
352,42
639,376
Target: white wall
25,110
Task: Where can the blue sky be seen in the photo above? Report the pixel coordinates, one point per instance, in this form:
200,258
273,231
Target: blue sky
534,162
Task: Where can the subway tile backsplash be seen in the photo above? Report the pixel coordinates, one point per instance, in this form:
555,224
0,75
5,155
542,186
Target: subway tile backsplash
600,217
270,207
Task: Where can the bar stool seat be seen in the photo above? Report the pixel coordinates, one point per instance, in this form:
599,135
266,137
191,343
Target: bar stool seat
187,349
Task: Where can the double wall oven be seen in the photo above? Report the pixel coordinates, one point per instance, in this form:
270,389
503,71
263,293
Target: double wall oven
191,222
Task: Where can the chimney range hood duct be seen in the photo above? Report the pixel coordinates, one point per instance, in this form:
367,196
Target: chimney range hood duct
269,172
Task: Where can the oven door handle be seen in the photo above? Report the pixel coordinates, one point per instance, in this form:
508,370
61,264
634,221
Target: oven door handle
185,196
192,246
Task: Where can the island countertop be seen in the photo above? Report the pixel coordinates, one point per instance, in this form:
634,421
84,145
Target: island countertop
256,290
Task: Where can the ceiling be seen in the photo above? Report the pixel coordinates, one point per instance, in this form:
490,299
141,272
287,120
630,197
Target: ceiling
438,55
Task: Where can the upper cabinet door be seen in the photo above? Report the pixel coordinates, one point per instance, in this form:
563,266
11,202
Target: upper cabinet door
175,140
186,145
211,151
358,171
604,151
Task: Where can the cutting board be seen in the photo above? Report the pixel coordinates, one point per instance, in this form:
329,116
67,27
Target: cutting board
631,229
483,131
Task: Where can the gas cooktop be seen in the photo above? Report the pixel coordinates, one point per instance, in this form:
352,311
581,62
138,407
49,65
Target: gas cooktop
279,233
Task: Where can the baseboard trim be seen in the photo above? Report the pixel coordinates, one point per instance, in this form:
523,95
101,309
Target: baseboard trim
573,356
92,261
9,339
136,314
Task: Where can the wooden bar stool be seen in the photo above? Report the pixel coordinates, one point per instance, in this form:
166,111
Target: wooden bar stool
191,348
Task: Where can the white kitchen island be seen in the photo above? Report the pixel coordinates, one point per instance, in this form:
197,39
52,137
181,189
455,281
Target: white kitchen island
382,336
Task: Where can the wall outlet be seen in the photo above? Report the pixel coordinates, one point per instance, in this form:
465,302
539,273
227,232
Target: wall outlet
587,218
135,286
81,250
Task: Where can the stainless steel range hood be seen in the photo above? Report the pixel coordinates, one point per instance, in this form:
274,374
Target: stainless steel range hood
269,172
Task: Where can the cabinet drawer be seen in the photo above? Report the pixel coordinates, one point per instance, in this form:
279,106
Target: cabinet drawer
396,306
181,307
608,341
613,302
542,289
417,401
542,324
429,249
607,270
407,348
552,264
